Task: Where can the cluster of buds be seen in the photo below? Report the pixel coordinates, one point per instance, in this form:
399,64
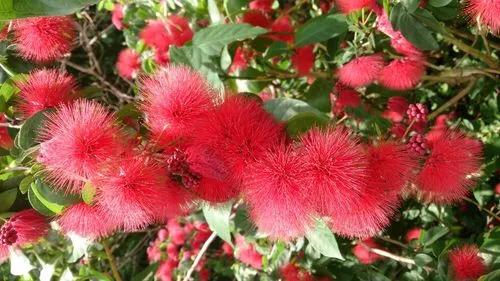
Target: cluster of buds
417,112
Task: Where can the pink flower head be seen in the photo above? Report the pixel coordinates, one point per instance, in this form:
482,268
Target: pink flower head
274,185
87,221
282,30
346,97
43,89
396,108
291,272
246,253
361,71
76,140
405,47
362,251
335,169
347,6
486,11
402,74
24,227
444,178
6,141
166,269
155,35
231,137
174,98
466,264
178,30
117,16
257,18
417,112
240,60
44,39
303,60
128,63
418,144
262,5
413,234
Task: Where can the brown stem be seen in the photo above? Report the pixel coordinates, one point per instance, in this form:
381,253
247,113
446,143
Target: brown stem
453,100
489,60
392,241
112,262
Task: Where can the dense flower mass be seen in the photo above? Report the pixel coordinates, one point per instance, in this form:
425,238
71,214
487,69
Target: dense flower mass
128,63
361,71
484,11
44,39
86,221
43,89
402,74
466,264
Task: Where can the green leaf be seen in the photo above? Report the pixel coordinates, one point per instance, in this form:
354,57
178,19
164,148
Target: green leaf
322,239
12,9
412,29
411,5
304,121
217,217
7,91
320,29
25,184
212,39
7,199
213,12
88,193
432,235
439,3
187,55
28,134
318,95
38,205
234,7
276,48
284,109
492,276
423,259
148,273
51,199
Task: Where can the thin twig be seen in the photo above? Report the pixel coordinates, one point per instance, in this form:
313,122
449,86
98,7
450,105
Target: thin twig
8,125
453,100
112,261
392,241
466,48
481,208
199,256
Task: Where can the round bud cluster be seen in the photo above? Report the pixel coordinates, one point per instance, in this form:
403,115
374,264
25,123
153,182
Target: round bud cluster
417,112
8,234
418,144
179,170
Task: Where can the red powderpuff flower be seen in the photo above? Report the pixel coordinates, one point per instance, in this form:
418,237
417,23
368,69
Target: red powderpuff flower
413,234
444,178
22,228
486,11
155,35
240,60
402,74
76,140
291,272
346,97
466,264
274,185
44,39
130,191
347,6
87,221
178,30
303,60
174,98
237,132
390,168
405,47
45,88
128,63
282,30
362,251
6,141
117,16
246,253
335,169
396,109
257,18
4,32
262,5
361,71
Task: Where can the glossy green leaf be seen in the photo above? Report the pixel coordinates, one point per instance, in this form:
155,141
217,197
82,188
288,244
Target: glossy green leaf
234,7
439,3
320,29
7,199
28,134
412,29
25,184
12,9
213,12
284,109
411,5
323,240
53,200
318,94
430,236
38,205
304,121
217,217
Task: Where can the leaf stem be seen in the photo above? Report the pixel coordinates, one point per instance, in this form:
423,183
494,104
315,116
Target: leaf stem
481,208
453,100
489,60
112,261
200,254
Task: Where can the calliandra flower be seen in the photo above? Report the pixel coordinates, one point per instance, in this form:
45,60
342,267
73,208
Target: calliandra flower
6,141
497,188
362,251
240,60
44,39
276,195
86,221
128,63
291,272
173,99
237,133
4,33
117,16
282,30
402,74
396,109
162,57
440,127
348,6
335,169
346,97
75,140
413,234
303,60
445,176
486,11
24,227
466,264
361,71
155,35
178,30
257,18
4,253
130,191
262,5
43,89
390,168
246,253
405,47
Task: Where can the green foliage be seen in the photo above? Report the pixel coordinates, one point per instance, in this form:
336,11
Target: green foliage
12,9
